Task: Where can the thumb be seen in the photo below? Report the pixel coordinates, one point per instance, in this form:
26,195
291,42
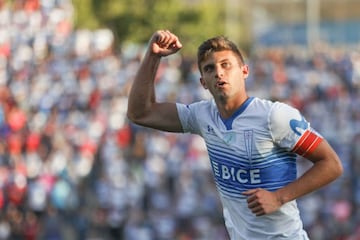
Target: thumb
178,44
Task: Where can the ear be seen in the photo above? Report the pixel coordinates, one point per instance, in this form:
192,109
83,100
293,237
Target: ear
245,70
203,83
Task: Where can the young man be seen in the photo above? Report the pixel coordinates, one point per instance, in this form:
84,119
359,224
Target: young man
252,143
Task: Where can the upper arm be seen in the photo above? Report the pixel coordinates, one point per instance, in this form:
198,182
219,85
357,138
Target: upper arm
326,162
324,152
161,116
292,131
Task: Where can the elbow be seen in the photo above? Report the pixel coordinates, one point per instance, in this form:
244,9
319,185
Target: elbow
132,117
340,168
135,118
337,168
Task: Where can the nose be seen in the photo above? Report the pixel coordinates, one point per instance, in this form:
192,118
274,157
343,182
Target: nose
219,72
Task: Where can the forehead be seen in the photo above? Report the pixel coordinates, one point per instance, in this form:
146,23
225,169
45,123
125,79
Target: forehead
219,56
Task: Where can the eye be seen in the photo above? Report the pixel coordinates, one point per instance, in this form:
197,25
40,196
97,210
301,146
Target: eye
208,68
226,65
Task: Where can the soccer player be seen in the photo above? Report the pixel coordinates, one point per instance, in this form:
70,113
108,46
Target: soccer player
252,143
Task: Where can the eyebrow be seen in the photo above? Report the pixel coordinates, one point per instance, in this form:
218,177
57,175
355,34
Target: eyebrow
221,61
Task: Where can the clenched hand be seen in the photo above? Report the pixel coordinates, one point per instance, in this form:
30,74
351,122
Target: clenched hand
164,43
261,201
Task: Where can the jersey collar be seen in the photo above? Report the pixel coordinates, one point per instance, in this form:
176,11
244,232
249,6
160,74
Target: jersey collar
228,122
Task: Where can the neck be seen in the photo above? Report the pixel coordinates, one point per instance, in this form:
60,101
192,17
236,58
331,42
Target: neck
228,108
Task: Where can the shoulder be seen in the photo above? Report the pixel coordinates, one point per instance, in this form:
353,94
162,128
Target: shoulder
192,115
282,114
287,124
259,104
203,106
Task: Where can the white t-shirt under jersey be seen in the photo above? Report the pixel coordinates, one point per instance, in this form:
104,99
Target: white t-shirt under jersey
255,148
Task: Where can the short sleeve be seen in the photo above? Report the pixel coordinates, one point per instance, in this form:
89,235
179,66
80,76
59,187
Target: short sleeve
291,130
188,118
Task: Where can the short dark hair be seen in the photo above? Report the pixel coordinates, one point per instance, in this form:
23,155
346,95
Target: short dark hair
216,44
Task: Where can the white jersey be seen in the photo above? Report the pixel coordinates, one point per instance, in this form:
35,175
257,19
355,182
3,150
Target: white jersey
255,148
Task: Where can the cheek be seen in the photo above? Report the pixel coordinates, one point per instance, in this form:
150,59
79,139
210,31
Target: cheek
203,83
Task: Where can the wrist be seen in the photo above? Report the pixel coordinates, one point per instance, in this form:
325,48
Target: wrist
281,199
153,55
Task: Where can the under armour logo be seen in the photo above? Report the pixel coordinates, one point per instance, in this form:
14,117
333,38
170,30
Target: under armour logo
210,129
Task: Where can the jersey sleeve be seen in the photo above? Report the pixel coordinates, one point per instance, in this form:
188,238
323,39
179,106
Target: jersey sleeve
188,117
291,130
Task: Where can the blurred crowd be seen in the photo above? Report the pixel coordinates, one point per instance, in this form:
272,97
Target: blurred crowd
73,167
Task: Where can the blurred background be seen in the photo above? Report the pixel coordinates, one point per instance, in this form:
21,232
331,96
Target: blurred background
73,167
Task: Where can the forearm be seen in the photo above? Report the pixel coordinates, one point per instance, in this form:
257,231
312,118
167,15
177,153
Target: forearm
142,93
320,174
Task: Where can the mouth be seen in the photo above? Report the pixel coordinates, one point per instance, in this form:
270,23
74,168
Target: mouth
220,84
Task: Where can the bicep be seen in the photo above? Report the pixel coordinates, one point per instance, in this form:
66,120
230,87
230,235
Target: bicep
162,116
323,152
327,164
